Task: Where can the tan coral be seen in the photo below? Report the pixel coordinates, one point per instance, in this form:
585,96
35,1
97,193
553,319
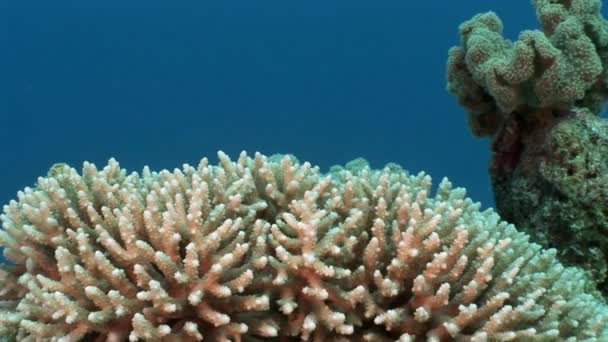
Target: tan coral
267,248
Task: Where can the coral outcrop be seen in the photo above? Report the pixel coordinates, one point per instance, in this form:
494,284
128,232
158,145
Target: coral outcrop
539,99
270,249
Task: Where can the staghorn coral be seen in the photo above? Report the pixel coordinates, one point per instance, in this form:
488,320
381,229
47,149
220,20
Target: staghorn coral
271,249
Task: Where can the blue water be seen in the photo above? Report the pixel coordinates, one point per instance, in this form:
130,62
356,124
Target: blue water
161,83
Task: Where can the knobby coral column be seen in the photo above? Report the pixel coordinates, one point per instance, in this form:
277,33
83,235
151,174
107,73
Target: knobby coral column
539,99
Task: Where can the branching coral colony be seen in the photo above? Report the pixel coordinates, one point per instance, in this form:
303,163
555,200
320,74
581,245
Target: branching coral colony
269,249
539,100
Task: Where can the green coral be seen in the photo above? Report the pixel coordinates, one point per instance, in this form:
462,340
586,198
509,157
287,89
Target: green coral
559,193
560,67
538,99
57,169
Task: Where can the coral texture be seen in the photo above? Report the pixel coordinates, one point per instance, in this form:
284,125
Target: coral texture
558,192
271,249
538,100
560,67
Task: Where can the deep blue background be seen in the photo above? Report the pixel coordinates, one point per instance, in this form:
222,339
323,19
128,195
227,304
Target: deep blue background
167,82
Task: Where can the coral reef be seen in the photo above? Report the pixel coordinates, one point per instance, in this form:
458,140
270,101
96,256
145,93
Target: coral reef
271,249
539,99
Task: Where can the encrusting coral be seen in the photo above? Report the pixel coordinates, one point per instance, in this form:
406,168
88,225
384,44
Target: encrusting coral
539,100
559,191
270,249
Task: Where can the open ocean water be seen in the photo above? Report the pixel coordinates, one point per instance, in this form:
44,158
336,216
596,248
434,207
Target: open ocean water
162,83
